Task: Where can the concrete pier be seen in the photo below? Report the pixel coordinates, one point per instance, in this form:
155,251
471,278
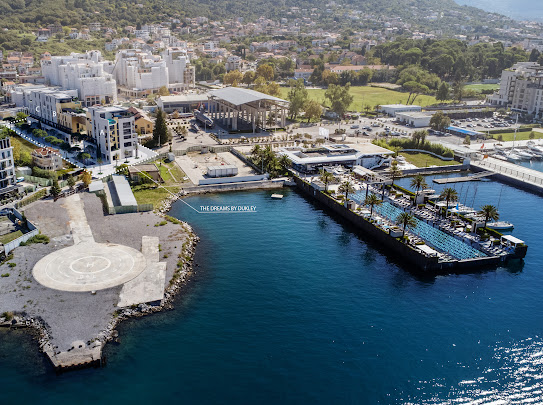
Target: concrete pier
510,173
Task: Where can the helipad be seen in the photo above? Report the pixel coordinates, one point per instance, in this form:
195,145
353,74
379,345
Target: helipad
89,266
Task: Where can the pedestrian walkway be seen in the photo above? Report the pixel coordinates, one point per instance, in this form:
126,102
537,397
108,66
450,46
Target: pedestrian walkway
511,170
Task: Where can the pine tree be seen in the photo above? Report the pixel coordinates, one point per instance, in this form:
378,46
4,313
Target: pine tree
443,92
160,131
55,189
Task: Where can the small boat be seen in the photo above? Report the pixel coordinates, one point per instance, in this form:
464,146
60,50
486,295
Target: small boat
277,196
513,157
500,226
523,154
500,157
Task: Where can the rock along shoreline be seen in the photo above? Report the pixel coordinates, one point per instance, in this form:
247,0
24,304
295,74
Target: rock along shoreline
93,355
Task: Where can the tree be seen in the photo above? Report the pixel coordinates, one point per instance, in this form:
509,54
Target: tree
467,140
285,163
266,71
440,121
346,188
232,78
326,178
443,92
312,109
417,183
99,161
249,77
297,96
414,89
395,172
340,98
489,212
448,194
71,182
163,91
405,220
55,189
458,89
372,200
160,131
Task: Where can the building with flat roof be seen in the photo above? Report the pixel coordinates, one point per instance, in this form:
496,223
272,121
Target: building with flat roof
393,109
113,130
183,103
8,179
415,119
85,72
306,160
47,158
463,132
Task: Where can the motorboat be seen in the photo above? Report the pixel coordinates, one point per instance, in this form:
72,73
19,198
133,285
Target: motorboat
500,226
500,157
513,157
523,154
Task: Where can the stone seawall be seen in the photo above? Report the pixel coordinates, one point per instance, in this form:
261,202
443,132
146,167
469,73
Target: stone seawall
405,254
217,188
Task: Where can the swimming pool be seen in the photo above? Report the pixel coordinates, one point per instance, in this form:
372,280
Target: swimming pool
433,237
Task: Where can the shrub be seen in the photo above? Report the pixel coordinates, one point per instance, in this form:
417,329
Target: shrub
7,315
37,239
11,264
5,275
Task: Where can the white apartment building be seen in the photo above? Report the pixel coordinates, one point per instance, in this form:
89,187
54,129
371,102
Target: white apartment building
46,105
87,73
181,74
138,70
521,89
7,167
113,130
233,62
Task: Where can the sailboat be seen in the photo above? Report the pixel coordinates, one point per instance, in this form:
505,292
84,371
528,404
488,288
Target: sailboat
500,225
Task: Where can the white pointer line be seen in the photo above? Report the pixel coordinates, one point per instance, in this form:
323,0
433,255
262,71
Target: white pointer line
186,203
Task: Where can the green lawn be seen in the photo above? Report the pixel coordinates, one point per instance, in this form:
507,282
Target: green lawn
150,194
479,87
10,236
425,160
367,95
521,136
23,144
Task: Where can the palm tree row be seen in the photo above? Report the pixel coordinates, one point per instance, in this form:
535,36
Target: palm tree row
269,162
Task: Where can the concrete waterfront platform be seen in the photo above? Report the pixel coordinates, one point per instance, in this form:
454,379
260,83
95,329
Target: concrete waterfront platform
89,266
148,287
80,355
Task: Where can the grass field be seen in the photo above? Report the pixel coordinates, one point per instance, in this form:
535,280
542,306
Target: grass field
521,136
425,160
479,87
150,194
366,95
24,144
10,236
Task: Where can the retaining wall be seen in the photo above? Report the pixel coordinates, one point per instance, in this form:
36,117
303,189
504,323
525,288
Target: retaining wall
395,247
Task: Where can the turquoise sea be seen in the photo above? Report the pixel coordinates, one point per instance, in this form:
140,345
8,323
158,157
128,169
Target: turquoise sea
517,9
290,305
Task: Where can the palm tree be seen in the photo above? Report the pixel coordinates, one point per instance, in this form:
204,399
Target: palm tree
346,188
449,195
394,171
406,220
326,177
372,200
255,152
418,182
489,212
285,163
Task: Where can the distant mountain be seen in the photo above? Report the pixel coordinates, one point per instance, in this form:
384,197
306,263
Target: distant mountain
445,15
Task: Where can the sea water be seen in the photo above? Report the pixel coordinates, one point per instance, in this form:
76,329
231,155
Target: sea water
291,305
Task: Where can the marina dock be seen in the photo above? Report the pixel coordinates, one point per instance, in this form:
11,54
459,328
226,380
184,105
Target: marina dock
510,173
473,177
